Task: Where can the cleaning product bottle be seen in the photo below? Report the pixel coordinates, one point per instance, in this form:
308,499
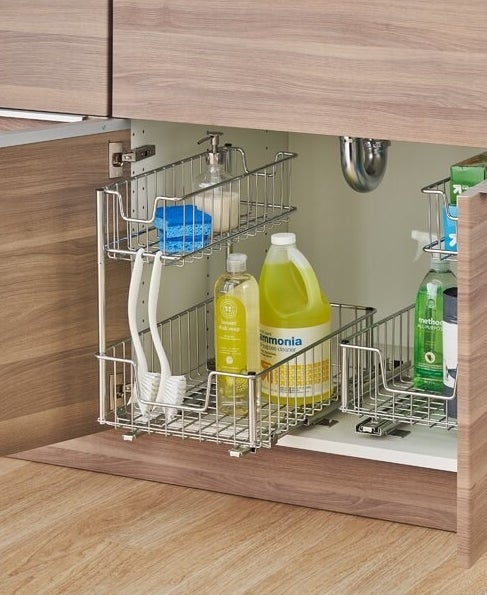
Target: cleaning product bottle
450,348
428,321
222,202
236,334
294,314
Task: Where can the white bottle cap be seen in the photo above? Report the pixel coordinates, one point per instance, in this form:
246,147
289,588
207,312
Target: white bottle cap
237,263
283,239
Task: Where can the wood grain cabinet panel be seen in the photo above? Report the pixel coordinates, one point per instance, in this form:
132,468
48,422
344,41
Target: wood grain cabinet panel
317,480
380,69
56,56
48,289
472,355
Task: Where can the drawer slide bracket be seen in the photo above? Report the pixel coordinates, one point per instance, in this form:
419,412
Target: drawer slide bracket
380,427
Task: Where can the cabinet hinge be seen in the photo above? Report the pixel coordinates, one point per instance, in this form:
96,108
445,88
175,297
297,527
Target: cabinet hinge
117,157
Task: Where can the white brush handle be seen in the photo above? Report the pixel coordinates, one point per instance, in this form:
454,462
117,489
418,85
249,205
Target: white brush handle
154,288
171,388
135,281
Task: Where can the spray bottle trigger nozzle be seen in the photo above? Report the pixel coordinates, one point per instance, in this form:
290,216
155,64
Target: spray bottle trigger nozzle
422,238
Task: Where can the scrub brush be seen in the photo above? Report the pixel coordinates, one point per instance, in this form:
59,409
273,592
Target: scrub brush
147,383
172,389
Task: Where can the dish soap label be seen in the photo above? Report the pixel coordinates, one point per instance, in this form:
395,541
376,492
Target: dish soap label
236,318
429,331
230,327
306,375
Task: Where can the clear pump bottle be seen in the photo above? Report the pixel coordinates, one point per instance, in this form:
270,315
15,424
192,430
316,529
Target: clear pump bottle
222,202
236,334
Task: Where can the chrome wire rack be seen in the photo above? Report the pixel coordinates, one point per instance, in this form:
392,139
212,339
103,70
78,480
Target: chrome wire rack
250,200
377,376
442,220
187,339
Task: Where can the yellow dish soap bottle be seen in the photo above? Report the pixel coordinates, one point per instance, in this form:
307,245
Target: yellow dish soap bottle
294,314
236,306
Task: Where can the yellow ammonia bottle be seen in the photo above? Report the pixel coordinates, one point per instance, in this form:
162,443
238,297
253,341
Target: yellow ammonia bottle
236,334
294,314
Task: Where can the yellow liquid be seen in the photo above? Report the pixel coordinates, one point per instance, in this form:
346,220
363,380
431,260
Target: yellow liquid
236,339
285,304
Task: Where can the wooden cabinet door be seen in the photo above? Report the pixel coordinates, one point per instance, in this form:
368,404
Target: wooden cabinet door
380,69
56,56
48,289
472,358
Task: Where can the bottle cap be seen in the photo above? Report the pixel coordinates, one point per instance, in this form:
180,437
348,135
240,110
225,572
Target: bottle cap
283,239
236,263
214,155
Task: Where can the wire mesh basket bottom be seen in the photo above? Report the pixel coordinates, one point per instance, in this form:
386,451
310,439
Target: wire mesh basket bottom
188,341
377,376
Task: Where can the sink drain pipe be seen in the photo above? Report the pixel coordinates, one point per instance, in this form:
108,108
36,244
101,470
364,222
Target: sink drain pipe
363,161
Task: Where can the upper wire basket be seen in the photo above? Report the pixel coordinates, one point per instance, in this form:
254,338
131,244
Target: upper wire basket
442,220
132,208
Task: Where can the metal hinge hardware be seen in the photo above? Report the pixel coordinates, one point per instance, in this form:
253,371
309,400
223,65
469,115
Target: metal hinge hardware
117,157
380,427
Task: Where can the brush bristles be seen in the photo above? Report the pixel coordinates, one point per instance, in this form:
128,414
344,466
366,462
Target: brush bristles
172,390
147,389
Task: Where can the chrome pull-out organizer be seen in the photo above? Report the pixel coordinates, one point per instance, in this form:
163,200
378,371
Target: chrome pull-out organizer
127,215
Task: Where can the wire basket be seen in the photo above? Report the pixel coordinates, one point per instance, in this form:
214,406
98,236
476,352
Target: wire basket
442,220
187,338
139,212
377,376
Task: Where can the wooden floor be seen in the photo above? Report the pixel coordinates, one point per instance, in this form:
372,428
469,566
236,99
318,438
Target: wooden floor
73,531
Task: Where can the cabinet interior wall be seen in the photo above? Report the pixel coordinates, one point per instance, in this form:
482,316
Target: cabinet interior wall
359,244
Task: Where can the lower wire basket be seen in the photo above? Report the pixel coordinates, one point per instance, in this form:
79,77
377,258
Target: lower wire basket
188,341
377,377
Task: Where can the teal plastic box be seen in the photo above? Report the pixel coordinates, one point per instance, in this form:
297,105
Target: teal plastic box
450,228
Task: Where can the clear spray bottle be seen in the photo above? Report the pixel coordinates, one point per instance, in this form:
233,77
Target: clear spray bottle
428,320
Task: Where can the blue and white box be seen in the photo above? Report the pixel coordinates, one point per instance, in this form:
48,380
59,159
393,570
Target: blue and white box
450,217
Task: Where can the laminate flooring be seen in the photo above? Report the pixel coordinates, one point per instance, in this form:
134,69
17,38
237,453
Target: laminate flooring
69,531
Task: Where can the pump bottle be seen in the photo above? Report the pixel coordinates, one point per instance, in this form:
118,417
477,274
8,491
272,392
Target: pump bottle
236,334
428,322
222,202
